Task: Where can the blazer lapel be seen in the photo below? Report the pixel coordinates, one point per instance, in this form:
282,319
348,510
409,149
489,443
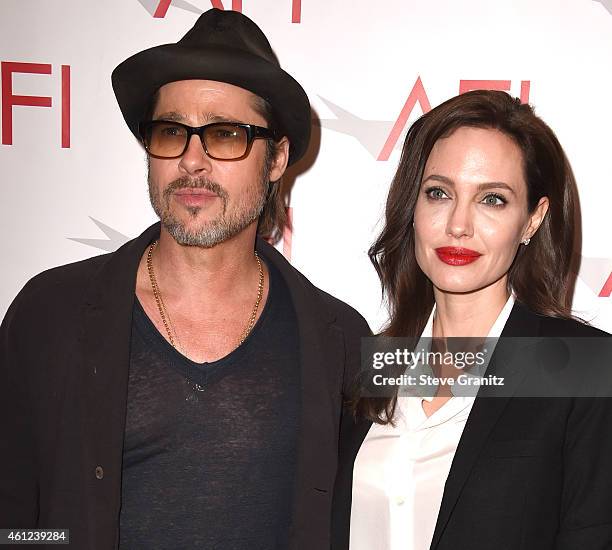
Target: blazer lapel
321,353
105,351
485,412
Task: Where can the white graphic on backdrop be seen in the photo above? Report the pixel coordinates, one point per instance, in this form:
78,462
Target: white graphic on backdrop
152,5
372,134
112,243
606,4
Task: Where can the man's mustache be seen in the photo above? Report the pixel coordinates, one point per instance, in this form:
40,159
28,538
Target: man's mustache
195,183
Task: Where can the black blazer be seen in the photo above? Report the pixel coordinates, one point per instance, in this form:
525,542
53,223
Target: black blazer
64,357
528,474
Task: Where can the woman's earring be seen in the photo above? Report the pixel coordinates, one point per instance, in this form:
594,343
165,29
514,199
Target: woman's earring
526,241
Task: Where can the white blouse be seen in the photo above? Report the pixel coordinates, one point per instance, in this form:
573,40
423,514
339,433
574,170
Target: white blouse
400,470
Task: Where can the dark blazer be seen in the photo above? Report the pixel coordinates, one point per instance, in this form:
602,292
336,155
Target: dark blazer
528,474
64,357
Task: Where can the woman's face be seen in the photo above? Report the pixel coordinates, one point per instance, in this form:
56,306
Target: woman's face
471,214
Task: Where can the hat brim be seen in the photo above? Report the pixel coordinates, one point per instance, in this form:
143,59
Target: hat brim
140,76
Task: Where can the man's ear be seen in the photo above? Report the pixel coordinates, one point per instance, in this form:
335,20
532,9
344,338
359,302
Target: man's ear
280,160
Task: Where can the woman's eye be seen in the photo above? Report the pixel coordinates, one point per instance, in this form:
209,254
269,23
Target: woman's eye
494,200
435,193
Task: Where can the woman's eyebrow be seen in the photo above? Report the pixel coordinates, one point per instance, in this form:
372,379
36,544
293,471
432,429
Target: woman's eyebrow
441,179
495,185
481,186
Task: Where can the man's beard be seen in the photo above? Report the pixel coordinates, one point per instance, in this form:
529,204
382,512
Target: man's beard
209,233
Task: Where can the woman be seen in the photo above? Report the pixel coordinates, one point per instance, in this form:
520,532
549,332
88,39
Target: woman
478,240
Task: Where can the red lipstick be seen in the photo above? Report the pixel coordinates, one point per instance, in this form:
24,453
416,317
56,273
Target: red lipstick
453,255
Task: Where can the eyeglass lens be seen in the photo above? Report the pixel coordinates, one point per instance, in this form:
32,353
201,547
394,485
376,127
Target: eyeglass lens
221,141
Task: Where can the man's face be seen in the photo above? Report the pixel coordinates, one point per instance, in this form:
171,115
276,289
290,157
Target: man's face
201,201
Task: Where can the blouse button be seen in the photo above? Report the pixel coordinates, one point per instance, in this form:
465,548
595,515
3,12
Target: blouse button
99,472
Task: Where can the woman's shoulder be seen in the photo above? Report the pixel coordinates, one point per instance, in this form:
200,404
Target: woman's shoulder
546,325
555,326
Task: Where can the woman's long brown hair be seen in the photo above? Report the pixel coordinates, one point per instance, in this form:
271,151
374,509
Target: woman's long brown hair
542,275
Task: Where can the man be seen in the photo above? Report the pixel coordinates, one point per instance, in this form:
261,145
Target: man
184,391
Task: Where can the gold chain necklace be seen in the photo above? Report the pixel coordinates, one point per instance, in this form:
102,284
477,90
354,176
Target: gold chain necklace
165,317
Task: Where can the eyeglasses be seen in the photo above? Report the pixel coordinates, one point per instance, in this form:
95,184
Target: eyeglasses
165,139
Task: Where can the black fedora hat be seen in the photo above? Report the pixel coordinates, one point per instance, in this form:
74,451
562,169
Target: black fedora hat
224,46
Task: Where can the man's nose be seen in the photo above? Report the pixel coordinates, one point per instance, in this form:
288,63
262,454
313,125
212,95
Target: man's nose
195,160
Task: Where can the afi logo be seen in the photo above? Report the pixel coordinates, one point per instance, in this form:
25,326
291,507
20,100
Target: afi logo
374,133
418,94
159,8
606,290
9,99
